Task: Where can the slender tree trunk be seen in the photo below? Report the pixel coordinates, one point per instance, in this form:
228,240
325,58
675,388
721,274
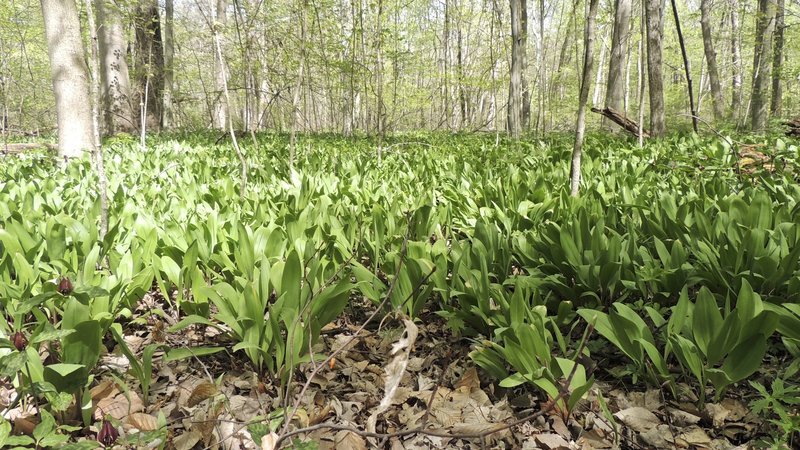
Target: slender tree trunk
736,62
69,76
243,166
615,88
462,94
220,115
380,116
640,63
598,81
711,60
149,63
777,62
586,79
515,86
762,62
115,104
686,66
541,71
446,65
655,30
169,54
97,150
296,116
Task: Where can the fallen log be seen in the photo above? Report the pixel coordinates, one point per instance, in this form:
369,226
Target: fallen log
794,127
20,147
620,119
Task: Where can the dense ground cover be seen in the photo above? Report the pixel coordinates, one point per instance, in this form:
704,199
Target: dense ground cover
677,269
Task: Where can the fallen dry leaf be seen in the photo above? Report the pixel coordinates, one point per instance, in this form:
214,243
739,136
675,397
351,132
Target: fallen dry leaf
695,437
187,440
201,392
551,441
469,380
395,370
268,441
347,440
638,418
142,422
119,406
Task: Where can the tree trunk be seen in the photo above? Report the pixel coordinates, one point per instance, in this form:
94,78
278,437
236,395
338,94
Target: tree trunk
169,53
615,87
586,79
762,62
115,92
711,60
515,86
598,80
655,30
462,93
219,116
736,62
69,76
97,151
777,62
296,116
149,64
686,66
381,107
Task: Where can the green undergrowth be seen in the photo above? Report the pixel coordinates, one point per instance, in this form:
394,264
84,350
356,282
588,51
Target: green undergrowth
672,252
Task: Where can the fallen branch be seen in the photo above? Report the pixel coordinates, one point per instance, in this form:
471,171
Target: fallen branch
621,120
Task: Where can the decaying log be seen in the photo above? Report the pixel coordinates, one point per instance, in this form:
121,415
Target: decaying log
620,119
20,147
794,127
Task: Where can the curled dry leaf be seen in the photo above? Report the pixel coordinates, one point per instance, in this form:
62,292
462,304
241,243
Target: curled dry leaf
395,370
347,440
143,422
268,441
201,392
119,405
469,380
187,440
637,418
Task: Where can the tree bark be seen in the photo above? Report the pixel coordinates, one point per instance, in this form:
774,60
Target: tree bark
149,51
776,104
97,150
169,55
115,92
762,62
686,66
220,114
69,76
515,85
615,87
296,116
736,62
711,60
655,30
583,97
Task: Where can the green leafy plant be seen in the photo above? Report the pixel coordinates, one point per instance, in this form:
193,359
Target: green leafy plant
780,405
717,346
527,346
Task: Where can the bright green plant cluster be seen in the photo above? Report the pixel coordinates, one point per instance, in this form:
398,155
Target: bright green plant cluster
488,237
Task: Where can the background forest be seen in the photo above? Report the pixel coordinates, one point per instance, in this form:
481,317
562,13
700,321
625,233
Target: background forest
365,66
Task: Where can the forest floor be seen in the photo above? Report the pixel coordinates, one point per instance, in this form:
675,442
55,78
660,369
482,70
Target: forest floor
218,401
